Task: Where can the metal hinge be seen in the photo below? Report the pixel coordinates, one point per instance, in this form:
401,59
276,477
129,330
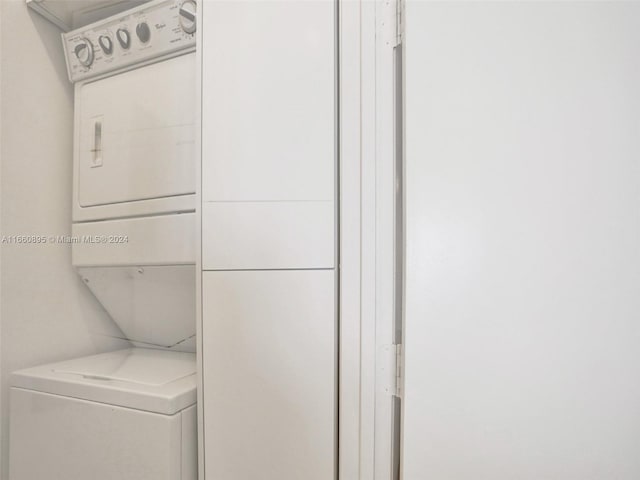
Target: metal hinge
391,369
391,22
399,21
399,371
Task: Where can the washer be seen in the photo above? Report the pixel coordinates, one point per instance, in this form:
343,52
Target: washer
128,414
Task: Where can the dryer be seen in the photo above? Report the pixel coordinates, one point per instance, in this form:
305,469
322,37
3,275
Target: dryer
134,169
134,113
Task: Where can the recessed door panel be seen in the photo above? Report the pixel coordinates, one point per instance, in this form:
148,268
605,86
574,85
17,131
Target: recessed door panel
136,134
269,375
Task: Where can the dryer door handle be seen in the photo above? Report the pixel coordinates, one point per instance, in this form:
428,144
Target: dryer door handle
96,158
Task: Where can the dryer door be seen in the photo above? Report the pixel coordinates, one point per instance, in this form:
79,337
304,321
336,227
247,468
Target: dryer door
136,134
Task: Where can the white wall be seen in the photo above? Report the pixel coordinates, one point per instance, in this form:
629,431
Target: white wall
523,185
47,313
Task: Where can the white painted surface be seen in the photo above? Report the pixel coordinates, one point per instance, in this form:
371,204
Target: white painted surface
382,207
154,240
369,252
350,240
61,438
278,84
268,235
153,305
137,146
523,191
47,314
269,383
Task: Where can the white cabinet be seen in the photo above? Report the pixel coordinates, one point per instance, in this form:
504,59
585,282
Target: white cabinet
269,375
268,346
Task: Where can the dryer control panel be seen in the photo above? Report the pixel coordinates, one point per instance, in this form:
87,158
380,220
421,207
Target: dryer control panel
155,29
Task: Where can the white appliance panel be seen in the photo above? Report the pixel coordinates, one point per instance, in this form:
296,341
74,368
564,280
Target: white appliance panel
153,240
156,29
62,438
145,366
146,379
269,375
189,443
137,133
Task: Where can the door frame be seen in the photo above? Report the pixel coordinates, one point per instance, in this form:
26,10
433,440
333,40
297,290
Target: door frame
368,33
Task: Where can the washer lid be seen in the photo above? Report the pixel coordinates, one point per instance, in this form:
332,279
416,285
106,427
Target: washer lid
146,379
143,366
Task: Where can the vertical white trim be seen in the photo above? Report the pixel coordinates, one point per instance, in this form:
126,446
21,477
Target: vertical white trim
350,225
368,240
385,222
378,38
198,235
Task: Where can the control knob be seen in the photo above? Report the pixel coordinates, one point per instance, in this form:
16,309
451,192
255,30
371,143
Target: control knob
143,32
124,38
84,52
106,44
188,16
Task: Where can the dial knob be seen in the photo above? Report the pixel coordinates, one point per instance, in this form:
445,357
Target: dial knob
106,44
143,32
84,52
188,16
124,38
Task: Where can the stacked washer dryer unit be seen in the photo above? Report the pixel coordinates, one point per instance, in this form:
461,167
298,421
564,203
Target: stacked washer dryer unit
128,414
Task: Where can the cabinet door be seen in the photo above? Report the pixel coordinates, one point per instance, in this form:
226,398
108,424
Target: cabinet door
269,375
268,101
